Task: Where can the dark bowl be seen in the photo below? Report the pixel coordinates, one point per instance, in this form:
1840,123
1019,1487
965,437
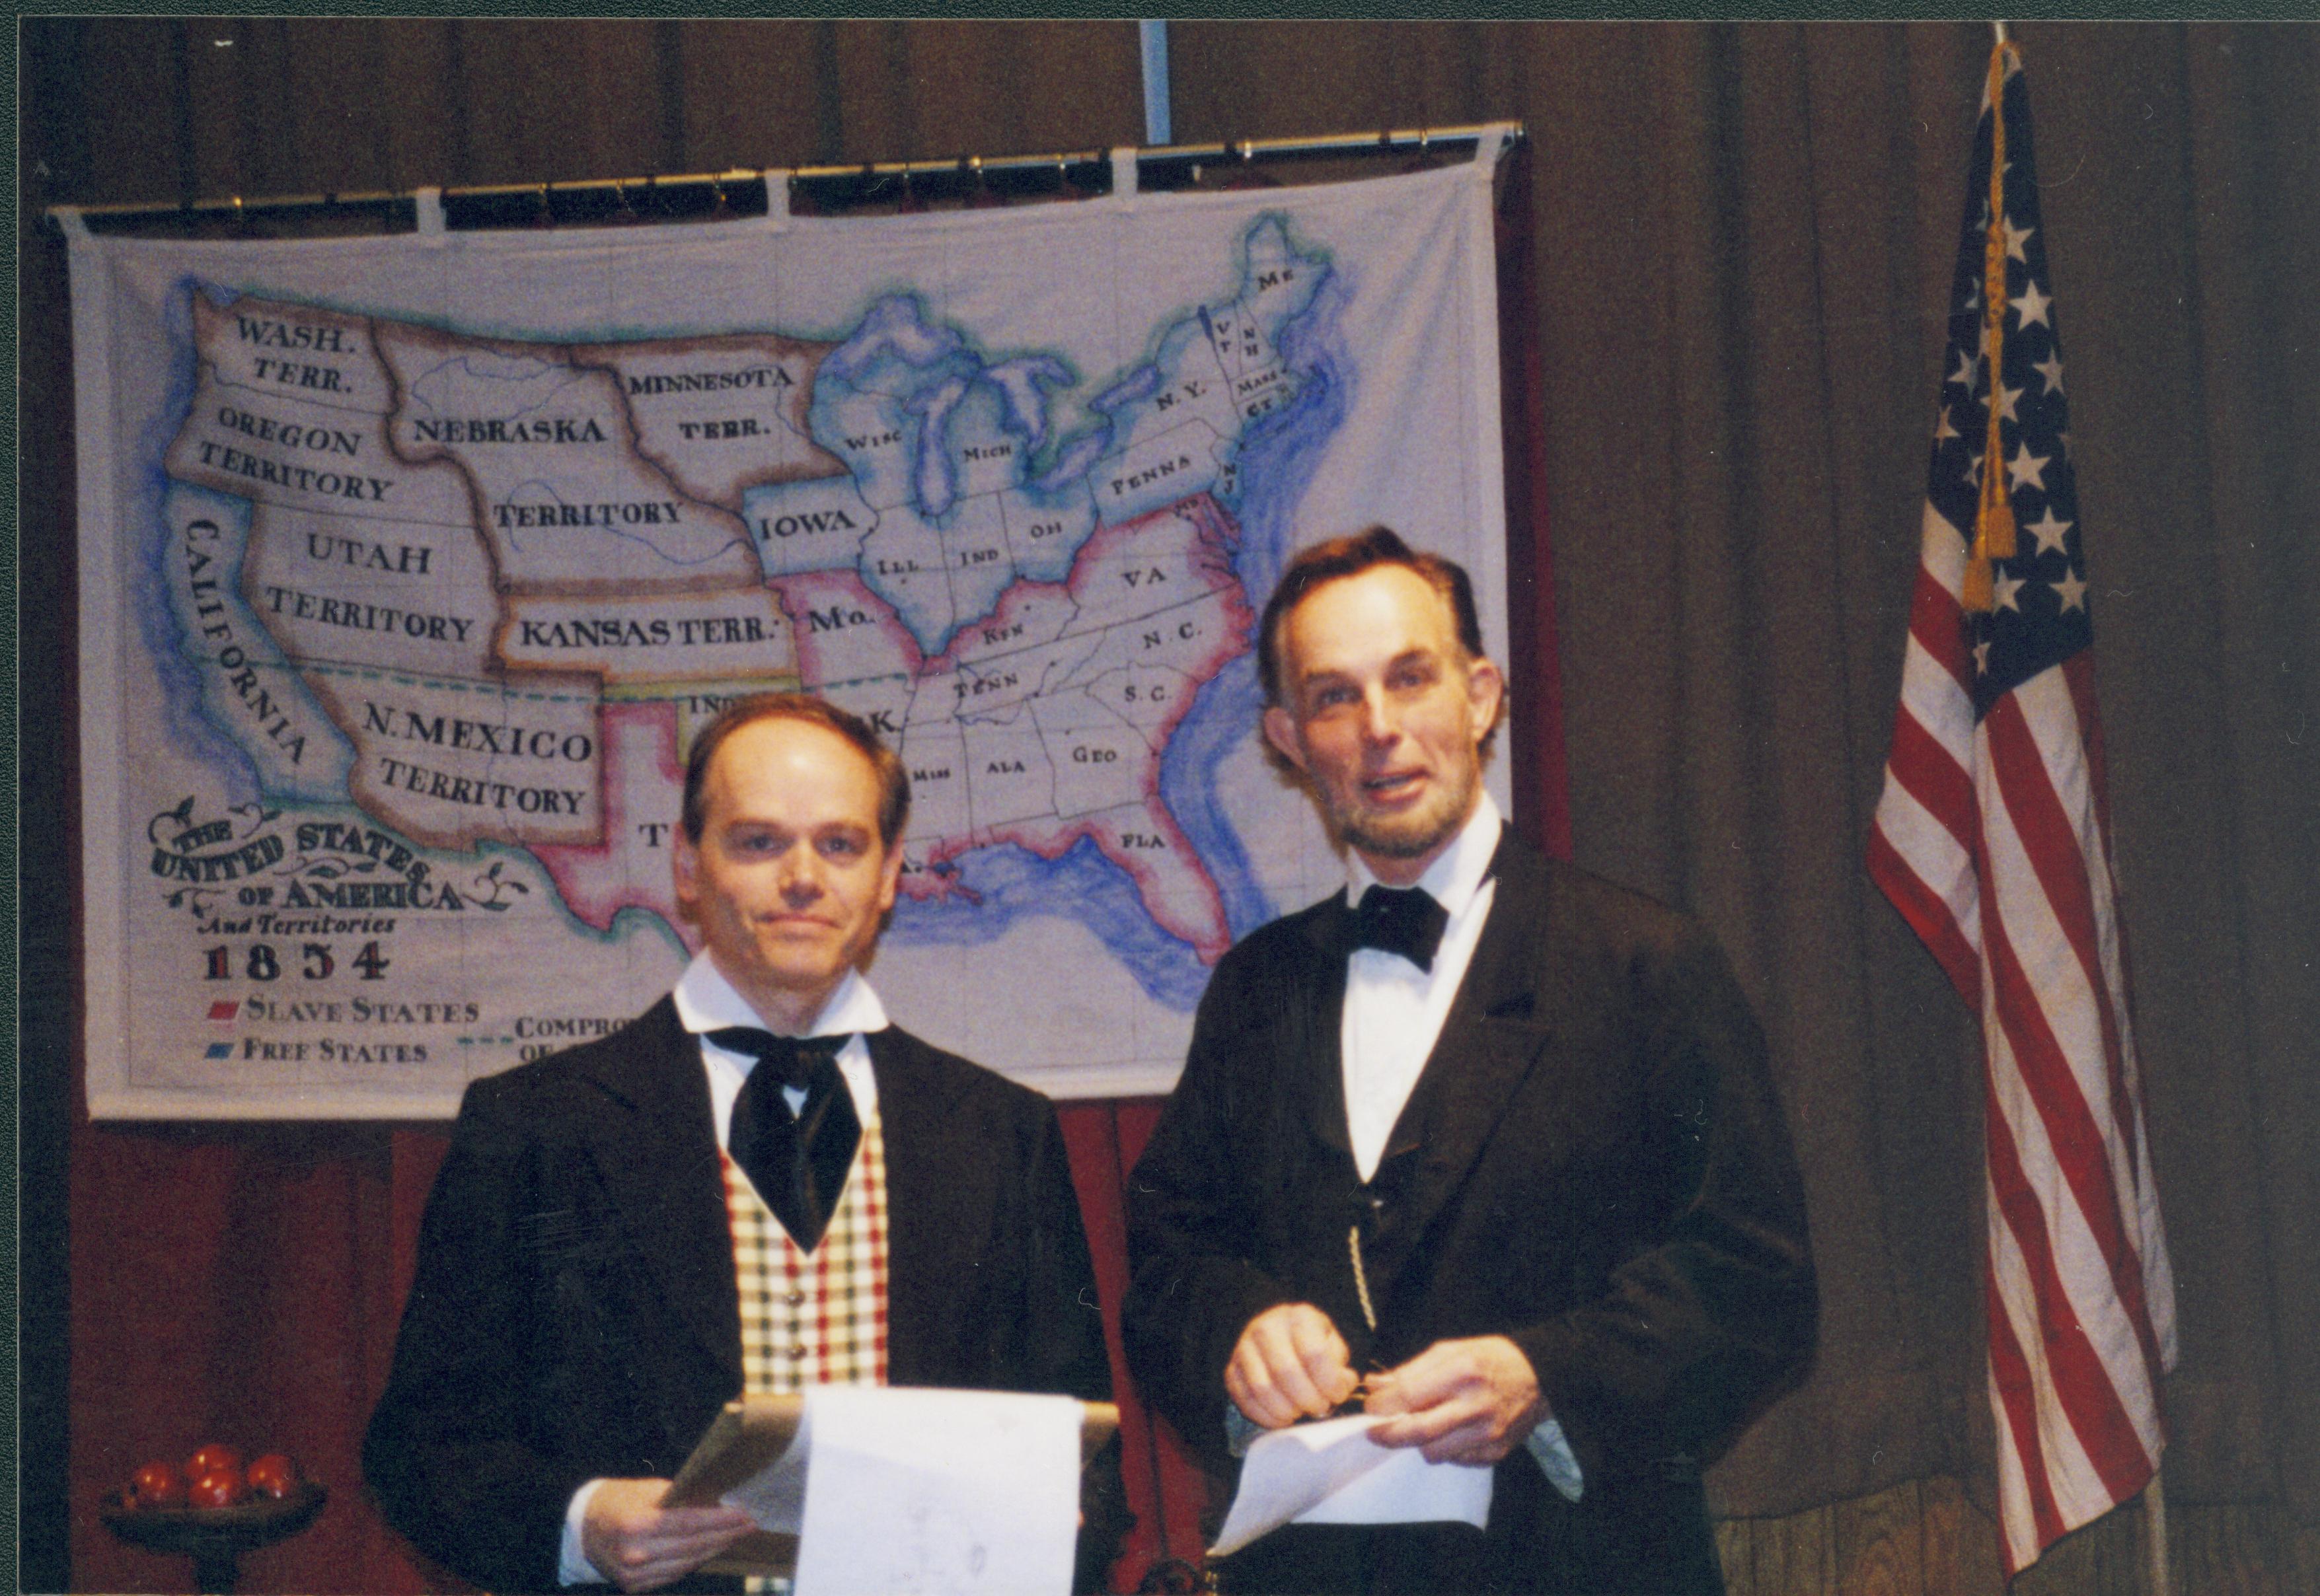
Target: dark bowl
211,1531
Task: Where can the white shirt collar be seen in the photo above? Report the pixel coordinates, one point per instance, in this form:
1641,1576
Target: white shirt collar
1453,878
707,1001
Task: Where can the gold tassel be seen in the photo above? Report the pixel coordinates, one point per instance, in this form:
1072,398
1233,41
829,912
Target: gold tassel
1981,594
1993,521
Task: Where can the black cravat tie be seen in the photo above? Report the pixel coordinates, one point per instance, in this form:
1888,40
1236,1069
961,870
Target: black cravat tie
798,1163
1404,920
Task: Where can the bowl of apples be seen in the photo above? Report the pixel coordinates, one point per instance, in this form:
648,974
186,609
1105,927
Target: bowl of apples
214,1506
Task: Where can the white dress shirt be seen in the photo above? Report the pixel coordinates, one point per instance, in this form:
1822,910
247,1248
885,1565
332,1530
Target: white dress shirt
706,1001
1394,1011
1393,1016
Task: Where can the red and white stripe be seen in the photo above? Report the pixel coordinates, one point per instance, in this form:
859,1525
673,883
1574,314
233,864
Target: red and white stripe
1993,840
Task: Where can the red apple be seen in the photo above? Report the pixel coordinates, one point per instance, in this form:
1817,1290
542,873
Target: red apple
216,1455
274,1475
157,1485
217,1488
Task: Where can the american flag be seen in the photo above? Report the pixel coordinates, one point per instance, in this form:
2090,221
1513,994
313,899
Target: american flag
1993,840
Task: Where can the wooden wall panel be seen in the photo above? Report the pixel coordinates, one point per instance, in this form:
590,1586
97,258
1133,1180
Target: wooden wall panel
1960,1542
2226,1549
974,86
1735,1549
1793,1555
1271,80
753,94
1072,86
1925,1538
232,65
132,99
2299,1548
1878,1546
554,101
340,106
1429,69
873,52
423,140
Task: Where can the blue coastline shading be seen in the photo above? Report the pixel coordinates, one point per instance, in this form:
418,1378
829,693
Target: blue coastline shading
165,638
1073,460
1136,387
1280,454
1007,883
1223,713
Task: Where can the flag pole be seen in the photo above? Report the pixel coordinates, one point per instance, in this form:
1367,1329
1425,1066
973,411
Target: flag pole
2160,1581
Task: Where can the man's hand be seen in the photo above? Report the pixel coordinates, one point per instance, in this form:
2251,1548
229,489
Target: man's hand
1290,1364
1460,1401
640,1546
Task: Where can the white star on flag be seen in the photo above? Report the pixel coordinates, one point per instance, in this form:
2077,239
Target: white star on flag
2071,590
2033,305
1969,371
1973,469
2006,399
2015,237
2003,588
1982,657
2048,530
1942,430
2051,368
2025,469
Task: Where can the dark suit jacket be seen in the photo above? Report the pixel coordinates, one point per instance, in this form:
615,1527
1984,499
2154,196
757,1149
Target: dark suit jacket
575,1312
1591,1163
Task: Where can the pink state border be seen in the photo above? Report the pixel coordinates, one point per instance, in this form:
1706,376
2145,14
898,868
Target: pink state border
591,880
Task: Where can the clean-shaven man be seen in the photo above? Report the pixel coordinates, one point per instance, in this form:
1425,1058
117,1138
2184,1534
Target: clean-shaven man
759,1184
1486,1145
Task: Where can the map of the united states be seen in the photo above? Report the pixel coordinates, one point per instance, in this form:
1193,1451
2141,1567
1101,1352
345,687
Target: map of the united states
484,590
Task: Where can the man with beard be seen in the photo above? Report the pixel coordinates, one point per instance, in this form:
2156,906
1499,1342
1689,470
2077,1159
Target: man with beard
1487,1144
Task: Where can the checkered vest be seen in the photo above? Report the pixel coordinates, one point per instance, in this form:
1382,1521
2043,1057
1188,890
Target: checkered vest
813,1317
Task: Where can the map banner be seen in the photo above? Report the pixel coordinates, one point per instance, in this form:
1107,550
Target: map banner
411,564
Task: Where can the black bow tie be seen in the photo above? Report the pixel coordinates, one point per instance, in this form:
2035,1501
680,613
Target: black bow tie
795,1061
1404,920
798,1162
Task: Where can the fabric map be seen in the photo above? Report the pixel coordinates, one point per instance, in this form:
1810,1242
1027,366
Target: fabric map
411,565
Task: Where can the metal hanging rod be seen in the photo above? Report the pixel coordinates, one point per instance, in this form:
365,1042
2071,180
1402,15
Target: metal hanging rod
740,192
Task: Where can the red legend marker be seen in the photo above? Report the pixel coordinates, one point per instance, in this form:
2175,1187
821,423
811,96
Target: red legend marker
224,1010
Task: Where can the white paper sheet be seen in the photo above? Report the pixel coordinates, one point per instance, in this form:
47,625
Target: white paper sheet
938,1492
1332,1472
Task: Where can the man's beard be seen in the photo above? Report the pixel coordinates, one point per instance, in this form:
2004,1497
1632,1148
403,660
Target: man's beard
1417,833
